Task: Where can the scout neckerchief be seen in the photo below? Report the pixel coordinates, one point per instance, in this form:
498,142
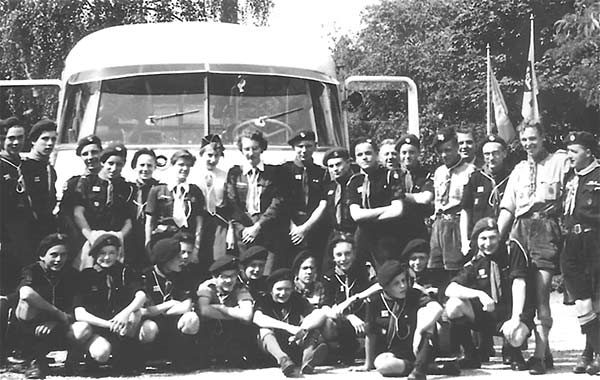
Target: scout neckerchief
20,186
181,213
53,280
139,201
533,162
445,196
211,197
395,312
408,181
495,279
345,286
366,188
495,196
166,292
573,185
337,199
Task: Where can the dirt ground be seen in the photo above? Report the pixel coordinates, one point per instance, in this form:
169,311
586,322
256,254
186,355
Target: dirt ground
566,342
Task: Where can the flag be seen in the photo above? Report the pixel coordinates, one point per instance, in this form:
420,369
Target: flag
503,124
529,109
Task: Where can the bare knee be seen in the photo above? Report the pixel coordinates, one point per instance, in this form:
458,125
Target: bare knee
100,349
455,308
24,311
189,323
148,331
329,330
80,332
389,365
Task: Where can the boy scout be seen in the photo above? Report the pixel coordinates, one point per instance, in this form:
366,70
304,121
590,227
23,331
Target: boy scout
337,214
466,144
107,308
579,260
289,326
40,179
535,209
388,155
252,265
400,322
169,317
226,307
44,312
307,280
306,193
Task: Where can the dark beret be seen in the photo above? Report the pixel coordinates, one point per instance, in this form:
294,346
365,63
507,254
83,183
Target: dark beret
492,139
164,250
281,274
224,263
9,122
337,152
409,139
116,149
443,136
51,241
389,270
483,224
415,245
300,258
140,152
44,125
88,140
103,241
211,138
302,136
583,138
256,252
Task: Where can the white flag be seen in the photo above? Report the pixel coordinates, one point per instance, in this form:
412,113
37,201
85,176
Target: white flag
530,110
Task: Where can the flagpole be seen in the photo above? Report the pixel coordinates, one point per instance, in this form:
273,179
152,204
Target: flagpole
488,87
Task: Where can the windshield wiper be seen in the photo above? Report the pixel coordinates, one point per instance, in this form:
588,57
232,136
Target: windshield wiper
260,121
151,120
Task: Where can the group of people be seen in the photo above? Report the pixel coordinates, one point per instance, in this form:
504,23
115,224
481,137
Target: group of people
298,264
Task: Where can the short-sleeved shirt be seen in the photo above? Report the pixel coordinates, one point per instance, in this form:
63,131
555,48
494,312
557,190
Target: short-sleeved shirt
378,188
162,288
339,287
291,312
105,292
57,288
457,176
549,186
40,178
107,204
256,287
140,198
161,200
482,195
392,322
584,187
232,299
300,210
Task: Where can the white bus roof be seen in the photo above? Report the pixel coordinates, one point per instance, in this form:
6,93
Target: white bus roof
144,49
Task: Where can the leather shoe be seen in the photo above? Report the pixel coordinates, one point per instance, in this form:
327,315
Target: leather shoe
288,367
594,366
582,363
36,370
536,366
469,362
517,363
549,360
416,375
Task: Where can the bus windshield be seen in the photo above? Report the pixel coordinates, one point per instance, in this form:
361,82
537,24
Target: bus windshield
174,109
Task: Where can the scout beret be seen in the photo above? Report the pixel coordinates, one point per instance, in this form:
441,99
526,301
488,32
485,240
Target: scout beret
281,274
185,154
140,152
583,138
224,263
211,138
483,224
337,152
9,122
88,140
164,250
116,149
256,252
443,136
389,270
51,241
44,125
300,258
409,139
302,136
492,139
415,245
103,241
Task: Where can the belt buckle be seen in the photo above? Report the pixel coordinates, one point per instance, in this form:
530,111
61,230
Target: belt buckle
577,229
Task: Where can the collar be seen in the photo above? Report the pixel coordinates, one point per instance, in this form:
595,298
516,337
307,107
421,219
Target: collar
588,169
458,163
247,167
339,271
185,185
16,159
157,270
33,155
541,156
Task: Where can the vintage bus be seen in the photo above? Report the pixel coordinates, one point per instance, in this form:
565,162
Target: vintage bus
165,85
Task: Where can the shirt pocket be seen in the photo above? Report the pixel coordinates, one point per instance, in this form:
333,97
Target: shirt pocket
549,191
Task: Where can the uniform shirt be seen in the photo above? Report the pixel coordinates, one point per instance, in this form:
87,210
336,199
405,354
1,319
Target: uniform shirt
232,299
105,292
418,180
256,287
57,288
140,198
378,188
549,184
337,212
107,204
291,312
161,288
212,184
161,200
305,189
482,195
582,198
341,286
314,293
40,181
449,183
14,198
392,322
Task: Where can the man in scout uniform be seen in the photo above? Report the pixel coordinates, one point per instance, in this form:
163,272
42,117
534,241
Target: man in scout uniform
388,154
400,323
466,144
89,149
252,265
337,214
484,191
40,179
307,203
45,309
580,262
449,181
226,307
289,326
529,211
169,316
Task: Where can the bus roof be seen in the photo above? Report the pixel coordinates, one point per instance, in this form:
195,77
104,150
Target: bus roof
144,49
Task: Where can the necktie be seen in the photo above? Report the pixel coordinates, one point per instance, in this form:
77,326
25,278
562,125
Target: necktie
49,174
571,193
179,215
109,193
211,200
305,185
109,287
337,198
252,200
408,182
532,176
495,281
168,290
366,192
446,190
140,203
